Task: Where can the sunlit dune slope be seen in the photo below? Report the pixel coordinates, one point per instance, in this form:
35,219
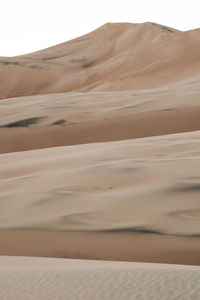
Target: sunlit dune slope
127,200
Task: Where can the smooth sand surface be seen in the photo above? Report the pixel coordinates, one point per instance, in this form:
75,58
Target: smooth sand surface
90,198
41,278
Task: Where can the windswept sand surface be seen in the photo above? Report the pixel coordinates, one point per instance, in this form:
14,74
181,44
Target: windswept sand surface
42,278
100,160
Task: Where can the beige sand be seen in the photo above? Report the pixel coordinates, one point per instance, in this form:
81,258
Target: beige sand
89,198
40,278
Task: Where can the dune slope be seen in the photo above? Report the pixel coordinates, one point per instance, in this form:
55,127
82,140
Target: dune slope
83,201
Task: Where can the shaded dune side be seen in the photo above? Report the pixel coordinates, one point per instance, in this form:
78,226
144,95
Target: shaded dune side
22,123
111,245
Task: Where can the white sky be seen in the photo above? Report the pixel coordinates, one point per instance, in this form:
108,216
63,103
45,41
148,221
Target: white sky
30,25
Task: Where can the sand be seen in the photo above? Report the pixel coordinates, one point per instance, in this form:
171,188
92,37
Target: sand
39,278
99,161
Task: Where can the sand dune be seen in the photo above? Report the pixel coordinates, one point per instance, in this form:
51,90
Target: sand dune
89,198
112,124
39,278
121,56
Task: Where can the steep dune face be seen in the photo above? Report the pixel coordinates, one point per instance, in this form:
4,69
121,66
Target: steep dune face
113,57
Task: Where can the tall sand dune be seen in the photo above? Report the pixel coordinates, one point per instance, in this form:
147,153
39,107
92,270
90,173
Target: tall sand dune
121,56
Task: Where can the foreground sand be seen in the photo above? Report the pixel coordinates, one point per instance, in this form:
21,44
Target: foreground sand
127,200
41,278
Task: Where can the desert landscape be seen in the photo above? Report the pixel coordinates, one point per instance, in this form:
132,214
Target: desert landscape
100,167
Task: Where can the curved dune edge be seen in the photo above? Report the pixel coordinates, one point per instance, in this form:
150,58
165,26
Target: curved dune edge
41,278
